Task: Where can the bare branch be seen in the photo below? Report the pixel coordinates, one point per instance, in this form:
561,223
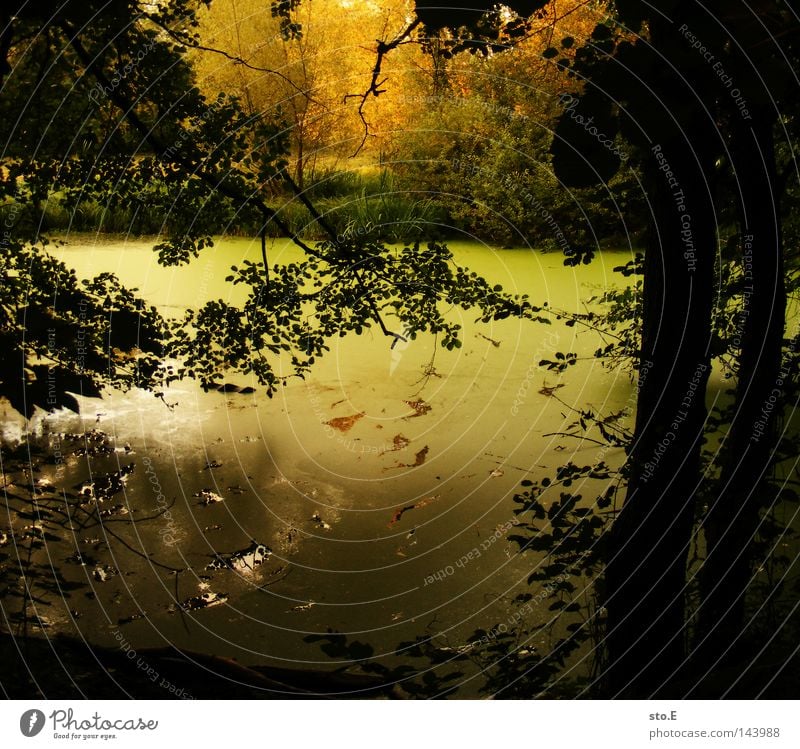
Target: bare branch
190,41
375,85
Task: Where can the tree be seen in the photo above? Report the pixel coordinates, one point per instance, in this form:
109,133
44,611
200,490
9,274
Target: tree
303,78
697,92
150,137
692,96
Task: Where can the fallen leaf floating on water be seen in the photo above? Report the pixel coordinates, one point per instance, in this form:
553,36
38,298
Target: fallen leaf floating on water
207,497
204,601
247,559
216,527
416,506
420,408
212,464
419,459
344,423
302,607
496,473
104,572
400,442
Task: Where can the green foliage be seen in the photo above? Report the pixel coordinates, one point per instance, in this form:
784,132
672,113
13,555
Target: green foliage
342,287
61,336
486,162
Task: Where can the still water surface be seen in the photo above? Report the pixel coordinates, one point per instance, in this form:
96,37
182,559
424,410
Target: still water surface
367,483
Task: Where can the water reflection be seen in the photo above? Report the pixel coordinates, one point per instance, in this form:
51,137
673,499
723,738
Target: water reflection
241,526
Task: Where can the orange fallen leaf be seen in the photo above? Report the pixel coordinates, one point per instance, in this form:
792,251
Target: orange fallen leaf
420,408
344,423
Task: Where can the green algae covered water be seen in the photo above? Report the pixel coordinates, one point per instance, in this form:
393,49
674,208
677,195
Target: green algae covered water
374,499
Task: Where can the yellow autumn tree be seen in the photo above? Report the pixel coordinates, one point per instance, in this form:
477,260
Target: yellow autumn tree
304,80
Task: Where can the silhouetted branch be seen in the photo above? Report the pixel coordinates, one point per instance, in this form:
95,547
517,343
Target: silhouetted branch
375,84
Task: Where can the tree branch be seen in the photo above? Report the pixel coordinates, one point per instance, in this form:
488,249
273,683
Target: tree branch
194,44
216,182
375,89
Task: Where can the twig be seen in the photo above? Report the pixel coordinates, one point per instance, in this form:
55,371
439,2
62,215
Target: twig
236,59
576,436
375,84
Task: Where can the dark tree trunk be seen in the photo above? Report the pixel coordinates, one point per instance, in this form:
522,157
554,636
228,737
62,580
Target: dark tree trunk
733,514
649,541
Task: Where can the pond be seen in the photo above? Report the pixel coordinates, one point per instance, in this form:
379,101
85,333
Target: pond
374,499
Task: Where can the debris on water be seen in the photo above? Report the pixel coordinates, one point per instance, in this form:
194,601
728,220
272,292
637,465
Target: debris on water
549,390
303,606
210,465
494,343
33,531
460,650
236,489
249,439
115,510
204,601
105,486
320,522
496,473
81,559
207,497
411,540
420,408
104,572
344,423
416,506
397,616
290,541
399,442
3,538
247,559
419,459
42,486
216,527
131,618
